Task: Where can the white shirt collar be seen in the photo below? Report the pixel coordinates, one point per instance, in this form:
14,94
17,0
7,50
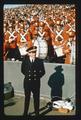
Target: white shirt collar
32,59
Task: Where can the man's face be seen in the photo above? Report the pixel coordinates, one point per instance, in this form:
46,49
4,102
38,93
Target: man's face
34,37
10,29
32,54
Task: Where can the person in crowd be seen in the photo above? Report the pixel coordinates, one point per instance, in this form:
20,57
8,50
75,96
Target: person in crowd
12,51
72,44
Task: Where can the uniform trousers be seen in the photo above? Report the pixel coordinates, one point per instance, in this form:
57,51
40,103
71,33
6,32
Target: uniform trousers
36,97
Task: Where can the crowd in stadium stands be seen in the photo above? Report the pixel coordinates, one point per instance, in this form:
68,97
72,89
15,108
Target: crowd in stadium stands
54,24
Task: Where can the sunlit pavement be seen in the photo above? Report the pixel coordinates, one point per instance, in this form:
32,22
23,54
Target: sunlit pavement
15,107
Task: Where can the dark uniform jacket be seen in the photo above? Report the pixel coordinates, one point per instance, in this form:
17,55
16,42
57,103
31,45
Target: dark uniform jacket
33,72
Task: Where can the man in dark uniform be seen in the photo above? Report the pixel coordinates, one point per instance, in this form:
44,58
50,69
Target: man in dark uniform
33,69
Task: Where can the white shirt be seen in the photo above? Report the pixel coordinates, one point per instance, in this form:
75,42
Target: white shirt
32,59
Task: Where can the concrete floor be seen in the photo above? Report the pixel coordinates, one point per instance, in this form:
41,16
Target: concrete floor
15,107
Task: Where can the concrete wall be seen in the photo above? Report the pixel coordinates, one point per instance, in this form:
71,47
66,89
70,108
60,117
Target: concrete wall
12,73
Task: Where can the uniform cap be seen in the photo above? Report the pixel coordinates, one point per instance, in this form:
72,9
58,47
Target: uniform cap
31,49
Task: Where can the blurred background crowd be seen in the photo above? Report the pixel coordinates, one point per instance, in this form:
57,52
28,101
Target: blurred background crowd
50,27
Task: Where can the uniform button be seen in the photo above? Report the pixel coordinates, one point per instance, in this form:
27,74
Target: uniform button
29,79
29,75
40,71
34,70
29,70
34,74
34,79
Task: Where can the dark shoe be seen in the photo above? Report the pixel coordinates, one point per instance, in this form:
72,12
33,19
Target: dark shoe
30,114
37,114
25,114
